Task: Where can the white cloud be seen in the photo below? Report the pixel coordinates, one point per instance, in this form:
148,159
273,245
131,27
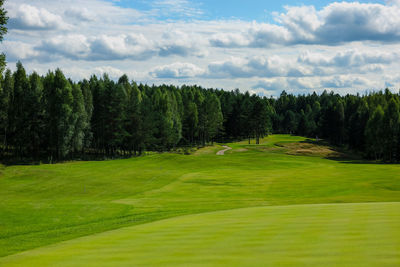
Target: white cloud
257,66
177,70
179,43
74,46
348,58
229,40
19,50
344,81
27,17
341,83
335,24
114,73
301,22
80,14
123,46
351,44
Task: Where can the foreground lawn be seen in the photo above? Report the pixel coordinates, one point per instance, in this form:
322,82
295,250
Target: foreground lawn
297,235
42,205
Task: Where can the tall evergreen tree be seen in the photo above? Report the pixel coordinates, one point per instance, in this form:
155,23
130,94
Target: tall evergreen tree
213,117
374,133
19,132
391,129
34,114
78,119
58,112
6,94
115,132
88,103
259,119
133,123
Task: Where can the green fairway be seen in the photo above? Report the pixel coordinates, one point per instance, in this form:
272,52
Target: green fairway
297,235
45,204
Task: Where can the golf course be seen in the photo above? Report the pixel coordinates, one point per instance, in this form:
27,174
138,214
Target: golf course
288,201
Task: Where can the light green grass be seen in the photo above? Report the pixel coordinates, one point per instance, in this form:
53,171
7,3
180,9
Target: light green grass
297,235
41,205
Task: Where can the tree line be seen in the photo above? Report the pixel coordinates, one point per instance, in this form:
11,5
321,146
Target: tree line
56,118
369,124
52,117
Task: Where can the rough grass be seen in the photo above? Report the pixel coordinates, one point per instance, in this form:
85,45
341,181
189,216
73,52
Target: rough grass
311,149
45,204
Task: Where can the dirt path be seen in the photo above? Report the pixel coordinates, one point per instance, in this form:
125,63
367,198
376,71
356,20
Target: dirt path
222,152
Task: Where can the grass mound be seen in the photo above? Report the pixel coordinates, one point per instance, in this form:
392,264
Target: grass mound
308,148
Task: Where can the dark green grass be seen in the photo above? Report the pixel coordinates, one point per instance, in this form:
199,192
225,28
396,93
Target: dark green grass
44,204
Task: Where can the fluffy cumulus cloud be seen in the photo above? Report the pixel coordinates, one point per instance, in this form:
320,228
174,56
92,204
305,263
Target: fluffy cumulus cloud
288,84
343,46
349,58
19,50
28,17
80,14
310,84
177,70
256,66
344,82
111,71
119,47
179,43
335,24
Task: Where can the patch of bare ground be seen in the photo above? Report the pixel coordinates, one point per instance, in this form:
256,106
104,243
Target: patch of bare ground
206,150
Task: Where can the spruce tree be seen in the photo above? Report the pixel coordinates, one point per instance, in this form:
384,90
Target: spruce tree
374,133
391,124
7,87
34,114
58,113
78,119
88,103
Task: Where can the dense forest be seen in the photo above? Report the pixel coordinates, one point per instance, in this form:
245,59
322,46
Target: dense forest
54,118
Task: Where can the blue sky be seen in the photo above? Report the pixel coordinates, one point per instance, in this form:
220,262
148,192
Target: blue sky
260,46
259,10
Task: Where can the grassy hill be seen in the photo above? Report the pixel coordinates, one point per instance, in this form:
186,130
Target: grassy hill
256,185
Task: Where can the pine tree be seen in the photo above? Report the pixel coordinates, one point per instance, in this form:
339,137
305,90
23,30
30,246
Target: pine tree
88,103
19,132
98,121
374,133
133,122
246,113
6,94
58,113
114,128
78,119
34,114
259,119
213,117
357,124
391,128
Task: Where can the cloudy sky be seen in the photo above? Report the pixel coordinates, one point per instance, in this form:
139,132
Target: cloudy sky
261,46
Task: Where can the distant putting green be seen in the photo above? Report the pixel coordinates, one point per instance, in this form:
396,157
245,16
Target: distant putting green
204,209
297,235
